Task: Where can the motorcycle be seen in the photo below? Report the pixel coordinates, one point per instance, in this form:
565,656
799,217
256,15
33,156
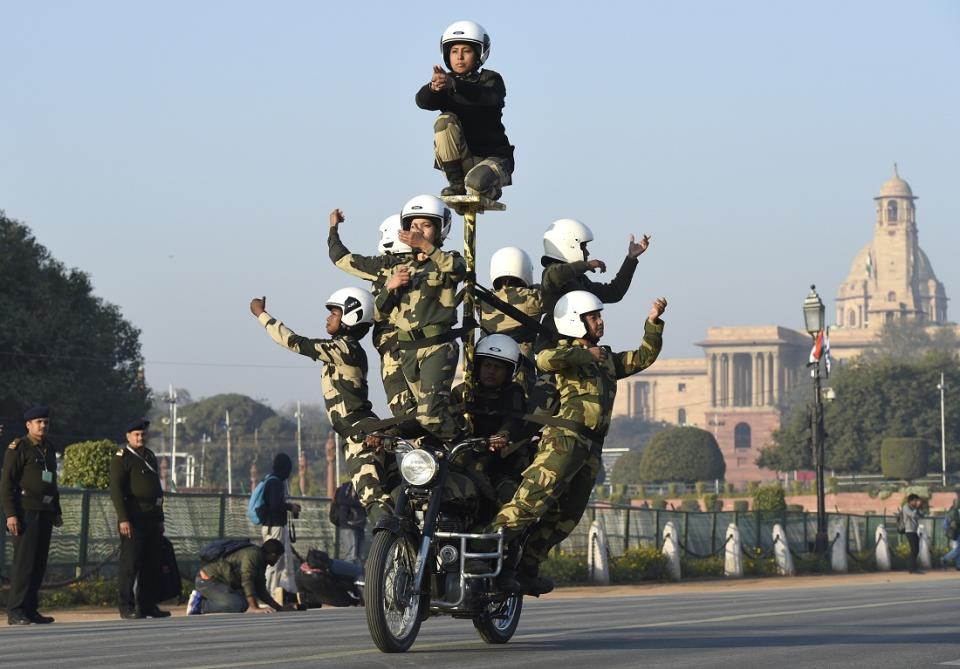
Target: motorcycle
423,560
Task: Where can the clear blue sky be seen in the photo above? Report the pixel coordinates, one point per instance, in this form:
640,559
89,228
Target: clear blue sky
186,155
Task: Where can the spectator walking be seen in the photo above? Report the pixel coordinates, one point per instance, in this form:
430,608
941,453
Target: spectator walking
911,513
31,506
282,575
951,528
347,514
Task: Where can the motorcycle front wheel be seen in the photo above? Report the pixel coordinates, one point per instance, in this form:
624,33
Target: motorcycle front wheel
393,609
499,621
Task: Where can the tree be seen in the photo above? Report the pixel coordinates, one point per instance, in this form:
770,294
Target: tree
769,498
904,459
876,397
626,469
62,346
87,464
682,454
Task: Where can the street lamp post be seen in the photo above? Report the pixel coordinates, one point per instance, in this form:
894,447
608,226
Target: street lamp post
814,316
943,432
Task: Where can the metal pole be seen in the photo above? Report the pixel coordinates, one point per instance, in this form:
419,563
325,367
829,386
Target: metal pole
820,544
229,458
173,438
943,431
469,306
299,446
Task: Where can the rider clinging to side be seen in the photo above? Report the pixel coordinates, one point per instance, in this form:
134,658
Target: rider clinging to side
421,300
344,383
377,270
555,489
511,273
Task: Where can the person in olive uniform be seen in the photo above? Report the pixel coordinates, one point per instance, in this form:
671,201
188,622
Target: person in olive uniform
138,499
31,505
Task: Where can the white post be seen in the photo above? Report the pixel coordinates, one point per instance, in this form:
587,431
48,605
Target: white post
943,431
781,550
882,552
923,559
837,533
732,559
229,458
173,436
599,562
671,551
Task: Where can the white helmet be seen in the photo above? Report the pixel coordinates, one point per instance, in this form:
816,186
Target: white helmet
568,314
511,261
499,347
469,32
389,242
562,240
356,303
427,206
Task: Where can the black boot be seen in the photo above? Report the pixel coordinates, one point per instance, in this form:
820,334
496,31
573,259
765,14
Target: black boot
453,169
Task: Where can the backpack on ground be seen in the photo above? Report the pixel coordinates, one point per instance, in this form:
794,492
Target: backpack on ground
258,501
221,548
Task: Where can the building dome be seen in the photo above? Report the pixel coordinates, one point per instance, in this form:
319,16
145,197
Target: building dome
895,187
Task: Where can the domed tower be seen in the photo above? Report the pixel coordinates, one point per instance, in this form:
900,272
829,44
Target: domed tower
891,277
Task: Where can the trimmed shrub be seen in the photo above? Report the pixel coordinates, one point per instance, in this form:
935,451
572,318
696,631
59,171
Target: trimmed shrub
741,505
87,464
769,498
686,454
638,564
904,458
729,488
658,504
673,490
710,567
626,469
712,502
752,487
565,568
701,488
689,505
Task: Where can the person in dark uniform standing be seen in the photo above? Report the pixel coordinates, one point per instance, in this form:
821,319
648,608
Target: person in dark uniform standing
31,505
138,499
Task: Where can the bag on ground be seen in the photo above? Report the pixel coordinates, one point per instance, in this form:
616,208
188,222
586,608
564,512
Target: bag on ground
220,548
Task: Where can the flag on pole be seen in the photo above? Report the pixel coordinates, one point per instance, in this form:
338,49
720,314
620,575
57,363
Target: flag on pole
821,349
817,349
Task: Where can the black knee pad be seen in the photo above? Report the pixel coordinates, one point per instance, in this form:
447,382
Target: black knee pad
484,180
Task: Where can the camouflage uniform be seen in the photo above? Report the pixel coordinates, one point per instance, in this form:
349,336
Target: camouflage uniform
556,487
344,383
377,270
494,321
426,309
560,278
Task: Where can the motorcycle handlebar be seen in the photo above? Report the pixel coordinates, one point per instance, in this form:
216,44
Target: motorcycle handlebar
391,443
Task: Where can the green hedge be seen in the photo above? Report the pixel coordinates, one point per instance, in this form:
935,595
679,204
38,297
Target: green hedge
769,498
686,454
903,458
87,464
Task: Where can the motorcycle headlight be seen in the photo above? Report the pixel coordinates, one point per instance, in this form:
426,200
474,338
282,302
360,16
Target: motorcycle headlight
418,467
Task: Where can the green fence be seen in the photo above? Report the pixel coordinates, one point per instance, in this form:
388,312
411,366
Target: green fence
89,537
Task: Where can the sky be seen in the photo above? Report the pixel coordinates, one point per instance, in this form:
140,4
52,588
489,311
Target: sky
186,155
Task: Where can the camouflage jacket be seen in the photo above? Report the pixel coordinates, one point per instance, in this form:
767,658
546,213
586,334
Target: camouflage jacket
344,378
560,278
527,300
430,299
376,270
587,388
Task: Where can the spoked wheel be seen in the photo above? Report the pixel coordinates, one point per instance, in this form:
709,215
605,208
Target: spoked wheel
393,609
499,621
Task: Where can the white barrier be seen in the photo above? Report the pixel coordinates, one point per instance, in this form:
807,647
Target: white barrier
671,550
732,562
884,563
923,559
598,564
837,536
781,551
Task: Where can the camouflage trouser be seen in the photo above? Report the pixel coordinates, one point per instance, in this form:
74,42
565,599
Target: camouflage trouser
399,398
373,474
527,371
486,176
553,494
429,372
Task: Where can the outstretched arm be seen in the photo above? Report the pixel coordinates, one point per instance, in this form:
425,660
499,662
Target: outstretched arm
325,350
631,362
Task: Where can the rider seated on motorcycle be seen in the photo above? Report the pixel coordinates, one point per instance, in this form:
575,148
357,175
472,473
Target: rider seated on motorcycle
497,406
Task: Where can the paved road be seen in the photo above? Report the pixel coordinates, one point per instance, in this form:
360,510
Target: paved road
896,625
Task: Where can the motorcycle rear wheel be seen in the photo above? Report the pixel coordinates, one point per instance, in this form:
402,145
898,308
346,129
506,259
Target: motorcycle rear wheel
393,613
499,622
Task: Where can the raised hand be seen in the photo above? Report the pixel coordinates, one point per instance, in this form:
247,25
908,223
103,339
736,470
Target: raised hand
599,355
258,305
336,217
636,249
656,311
